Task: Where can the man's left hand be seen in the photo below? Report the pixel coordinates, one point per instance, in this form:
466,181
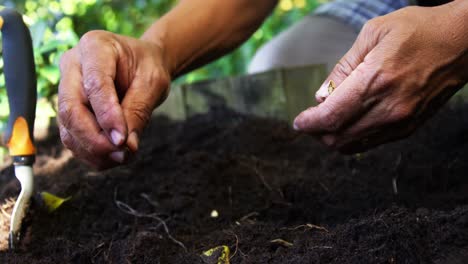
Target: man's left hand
401,69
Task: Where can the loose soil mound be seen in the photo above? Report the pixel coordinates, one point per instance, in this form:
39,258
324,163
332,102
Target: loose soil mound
267,183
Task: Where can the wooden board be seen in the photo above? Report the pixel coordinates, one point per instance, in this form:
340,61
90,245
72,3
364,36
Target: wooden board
281,94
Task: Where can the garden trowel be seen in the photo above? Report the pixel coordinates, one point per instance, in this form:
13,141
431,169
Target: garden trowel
20,79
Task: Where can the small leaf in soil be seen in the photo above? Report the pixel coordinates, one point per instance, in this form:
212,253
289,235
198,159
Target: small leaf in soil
52,202
217,255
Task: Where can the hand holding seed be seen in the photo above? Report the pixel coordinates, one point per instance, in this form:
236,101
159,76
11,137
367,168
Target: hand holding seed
109,87
391,80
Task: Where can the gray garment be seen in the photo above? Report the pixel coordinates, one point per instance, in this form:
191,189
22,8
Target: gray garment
357,12
313,40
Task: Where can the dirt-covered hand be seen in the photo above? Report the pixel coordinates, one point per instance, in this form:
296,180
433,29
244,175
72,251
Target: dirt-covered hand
401,69
109,86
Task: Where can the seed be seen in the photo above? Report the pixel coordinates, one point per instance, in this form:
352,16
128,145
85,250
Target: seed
331,86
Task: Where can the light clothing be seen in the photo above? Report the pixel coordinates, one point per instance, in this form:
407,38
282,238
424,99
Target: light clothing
323,37
357,12
313,40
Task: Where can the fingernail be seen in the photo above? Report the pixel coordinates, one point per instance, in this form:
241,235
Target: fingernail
117,137
133,141
295,125
118,156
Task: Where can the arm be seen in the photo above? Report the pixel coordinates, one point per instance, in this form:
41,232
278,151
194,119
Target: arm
192,36
400,70
110,83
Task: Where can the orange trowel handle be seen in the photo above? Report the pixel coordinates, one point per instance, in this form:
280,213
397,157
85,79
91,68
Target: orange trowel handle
20,78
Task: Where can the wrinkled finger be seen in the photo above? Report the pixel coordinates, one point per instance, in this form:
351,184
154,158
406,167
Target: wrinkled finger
147,91
73,111
99,64
68,141
378,126
347,104
99,162
88,138
367,40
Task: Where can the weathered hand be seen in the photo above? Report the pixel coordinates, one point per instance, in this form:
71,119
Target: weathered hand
401,69
109,87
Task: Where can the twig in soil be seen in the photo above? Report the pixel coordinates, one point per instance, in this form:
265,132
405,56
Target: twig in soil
130,211
308,227
324,186
148,199
262,178
249,215
282,242
100,250
237,247
107,254
322,247
246,217
395,185
257,172
281,193
158,225
395,178
237,244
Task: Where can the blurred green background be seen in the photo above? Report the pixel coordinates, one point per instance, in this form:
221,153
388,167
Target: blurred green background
56,25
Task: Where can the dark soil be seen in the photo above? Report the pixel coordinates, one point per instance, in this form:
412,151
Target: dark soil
266,182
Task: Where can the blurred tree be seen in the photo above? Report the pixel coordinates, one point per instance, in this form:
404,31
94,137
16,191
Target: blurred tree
57,24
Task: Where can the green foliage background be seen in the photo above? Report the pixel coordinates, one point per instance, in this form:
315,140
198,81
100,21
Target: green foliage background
56,25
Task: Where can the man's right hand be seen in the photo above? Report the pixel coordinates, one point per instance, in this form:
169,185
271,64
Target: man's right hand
110,85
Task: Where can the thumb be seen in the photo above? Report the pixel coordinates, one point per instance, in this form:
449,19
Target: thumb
367,39
145,93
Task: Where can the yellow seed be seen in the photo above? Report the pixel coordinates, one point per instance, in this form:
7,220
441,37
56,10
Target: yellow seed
331,86
214,214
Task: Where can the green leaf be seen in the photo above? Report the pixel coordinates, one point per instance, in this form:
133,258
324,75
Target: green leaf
49,46
52,202
51,73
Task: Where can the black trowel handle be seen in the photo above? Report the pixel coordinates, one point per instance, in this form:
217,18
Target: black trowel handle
20,78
